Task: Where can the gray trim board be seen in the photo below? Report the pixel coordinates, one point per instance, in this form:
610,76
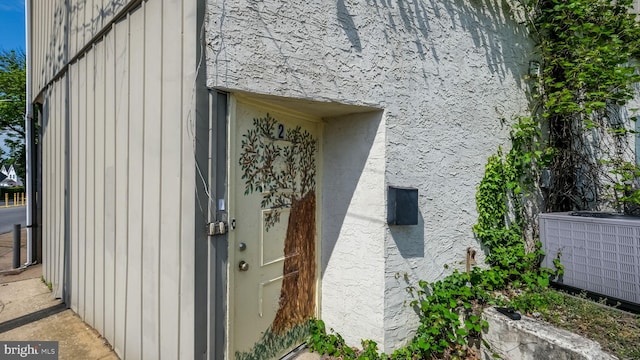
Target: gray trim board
218,245
211,252
221,245
202,187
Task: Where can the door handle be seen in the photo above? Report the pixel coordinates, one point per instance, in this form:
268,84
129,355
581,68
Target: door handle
243,265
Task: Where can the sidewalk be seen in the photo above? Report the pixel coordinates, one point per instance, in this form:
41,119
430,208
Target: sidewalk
28,312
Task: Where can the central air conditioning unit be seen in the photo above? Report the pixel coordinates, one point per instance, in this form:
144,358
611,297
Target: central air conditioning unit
600,252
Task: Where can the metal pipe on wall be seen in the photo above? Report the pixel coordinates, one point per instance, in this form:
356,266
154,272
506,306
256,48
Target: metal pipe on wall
29,141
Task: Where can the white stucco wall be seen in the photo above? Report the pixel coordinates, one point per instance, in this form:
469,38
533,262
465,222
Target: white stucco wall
353,212
444,73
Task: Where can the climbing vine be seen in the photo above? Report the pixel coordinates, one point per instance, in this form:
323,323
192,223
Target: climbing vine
573,152
588,76
450,309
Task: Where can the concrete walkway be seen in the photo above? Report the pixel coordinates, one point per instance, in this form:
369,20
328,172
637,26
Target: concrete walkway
28,312
22,316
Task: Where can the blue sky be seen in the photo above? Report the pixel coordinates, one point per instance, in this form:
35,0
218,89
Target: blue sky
12,32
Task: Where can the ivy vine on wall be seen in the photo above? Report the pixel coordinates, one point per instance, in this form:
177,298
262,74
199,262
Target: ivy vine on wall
580,131
588,51
579,137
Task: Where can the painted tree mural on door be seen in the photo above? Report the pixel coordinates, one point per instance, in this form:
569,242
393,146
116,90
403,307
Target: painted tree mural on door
280,164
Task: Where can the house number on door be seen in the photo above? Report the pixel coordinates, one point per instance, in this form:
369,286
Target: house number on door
280,131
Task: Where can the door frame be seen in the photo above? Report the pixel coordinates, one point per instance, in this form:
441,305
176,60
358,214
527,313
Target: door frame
210,262
262,102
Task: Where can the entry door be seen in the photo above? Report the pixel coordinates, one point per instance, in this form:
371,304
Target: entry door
273,250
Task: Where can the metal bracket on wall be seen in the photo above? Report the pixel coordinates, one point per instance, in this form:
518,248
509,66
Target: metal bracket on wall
217,228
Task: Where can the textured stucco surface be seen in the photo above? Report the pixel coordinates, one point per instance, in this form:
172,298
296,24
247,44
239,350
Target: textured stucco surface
352,226
443,73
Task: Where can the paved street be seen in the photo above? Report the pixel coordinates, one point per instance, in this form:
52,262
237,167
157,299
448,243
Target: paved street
10,216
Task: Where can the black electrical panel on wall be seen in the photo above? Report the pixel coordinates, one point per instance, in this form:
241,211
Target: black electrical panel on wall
402,206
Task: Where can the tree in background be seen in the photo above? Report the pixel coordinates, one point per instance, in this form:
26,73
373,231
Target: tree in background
13,83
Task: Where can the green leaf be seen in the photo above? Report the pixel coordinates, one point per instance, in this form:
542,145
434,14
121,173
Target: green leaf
543,281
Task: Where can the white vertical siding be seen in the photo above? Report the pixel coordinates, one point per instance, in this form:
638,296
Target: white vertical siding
49,26
110,186
59,178
186,279
121,111
82,182
170,177
74,25
62,28
74,120
88,28
99,193
53,142
135,186
152,162
89,150
131,168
